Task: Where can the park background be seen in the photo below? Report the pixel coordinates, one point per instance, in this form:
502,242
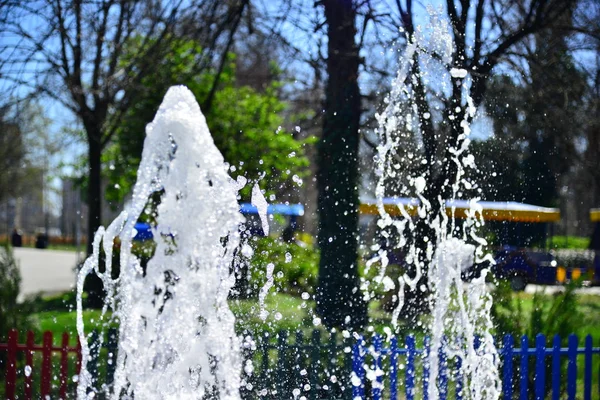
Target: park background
80,80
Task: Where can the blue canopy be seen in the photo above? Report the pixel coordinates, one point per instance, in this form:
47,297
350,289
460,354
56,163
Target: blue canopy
281,209
144,230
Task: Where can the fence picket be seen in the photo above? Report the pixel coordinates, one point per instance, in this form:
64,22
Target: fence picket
524,372
331,358
556,368
394,368
378,367
281,356
78,350
410,367
344,382
443,371
572,368
28,389
587,371
459,379
286,366
92,364
357,363
540,366
265,361
315,364
300,358
64,365
507,381
426,368
11,364
46,365
111,361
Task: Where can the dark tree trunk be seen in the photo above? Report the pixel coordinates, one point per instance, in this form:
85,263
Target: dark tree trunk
93,284
339,301
94,192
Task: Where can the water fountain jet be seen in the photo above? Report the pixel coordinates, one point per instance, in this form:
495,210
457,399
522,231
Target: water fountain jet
176,331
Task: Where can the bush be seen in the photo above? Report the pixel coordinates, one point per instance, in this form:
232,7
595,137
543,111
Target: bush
296,266
550,314
12,314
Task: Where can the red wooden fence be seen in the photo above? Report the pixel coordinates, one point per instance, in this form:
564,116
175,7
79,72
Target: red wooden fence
12,347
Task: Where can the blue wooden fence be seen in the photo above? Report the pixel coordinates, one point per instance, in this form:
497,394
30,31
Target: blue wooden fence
535,370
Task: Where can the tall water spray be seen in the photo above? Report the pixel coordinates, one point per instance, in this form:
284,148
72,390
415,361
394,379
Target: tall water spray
176,331
460,320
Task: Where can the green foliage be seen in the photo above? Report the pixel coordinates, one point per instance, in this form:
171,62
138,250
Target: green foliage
548,314
296,266
507,312
11,313
558,314
245,124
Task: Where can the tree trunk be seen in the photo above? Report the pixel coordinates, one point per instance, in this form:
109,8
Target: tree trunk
93,285
339,301
94,192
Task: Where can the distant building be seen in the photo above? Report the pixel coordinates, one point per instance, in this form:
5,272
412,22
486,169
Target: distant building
74,216
26,211
74,213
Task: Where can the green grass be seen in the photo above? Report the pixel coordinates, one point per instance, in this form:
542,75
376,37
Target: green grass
569,242
295,313
66,247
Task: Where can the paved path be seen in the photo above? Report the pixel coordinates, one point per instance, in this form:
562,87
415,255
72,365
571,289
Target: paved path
594,290
47,271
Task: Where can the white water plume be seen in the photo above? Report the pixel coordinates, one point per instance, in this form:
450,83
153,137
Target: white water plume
460,311
176,331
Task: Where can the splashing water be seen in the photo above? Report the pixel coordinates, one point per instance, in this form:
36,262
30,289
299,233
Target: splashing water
461,322
176,331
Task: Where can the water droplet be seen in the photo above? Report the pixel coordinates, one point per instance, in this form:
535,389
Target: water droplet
247,250
27,370
249,368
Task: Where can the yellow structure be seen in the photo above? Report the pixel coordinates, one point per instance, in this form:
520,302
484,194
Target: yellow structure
490,210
